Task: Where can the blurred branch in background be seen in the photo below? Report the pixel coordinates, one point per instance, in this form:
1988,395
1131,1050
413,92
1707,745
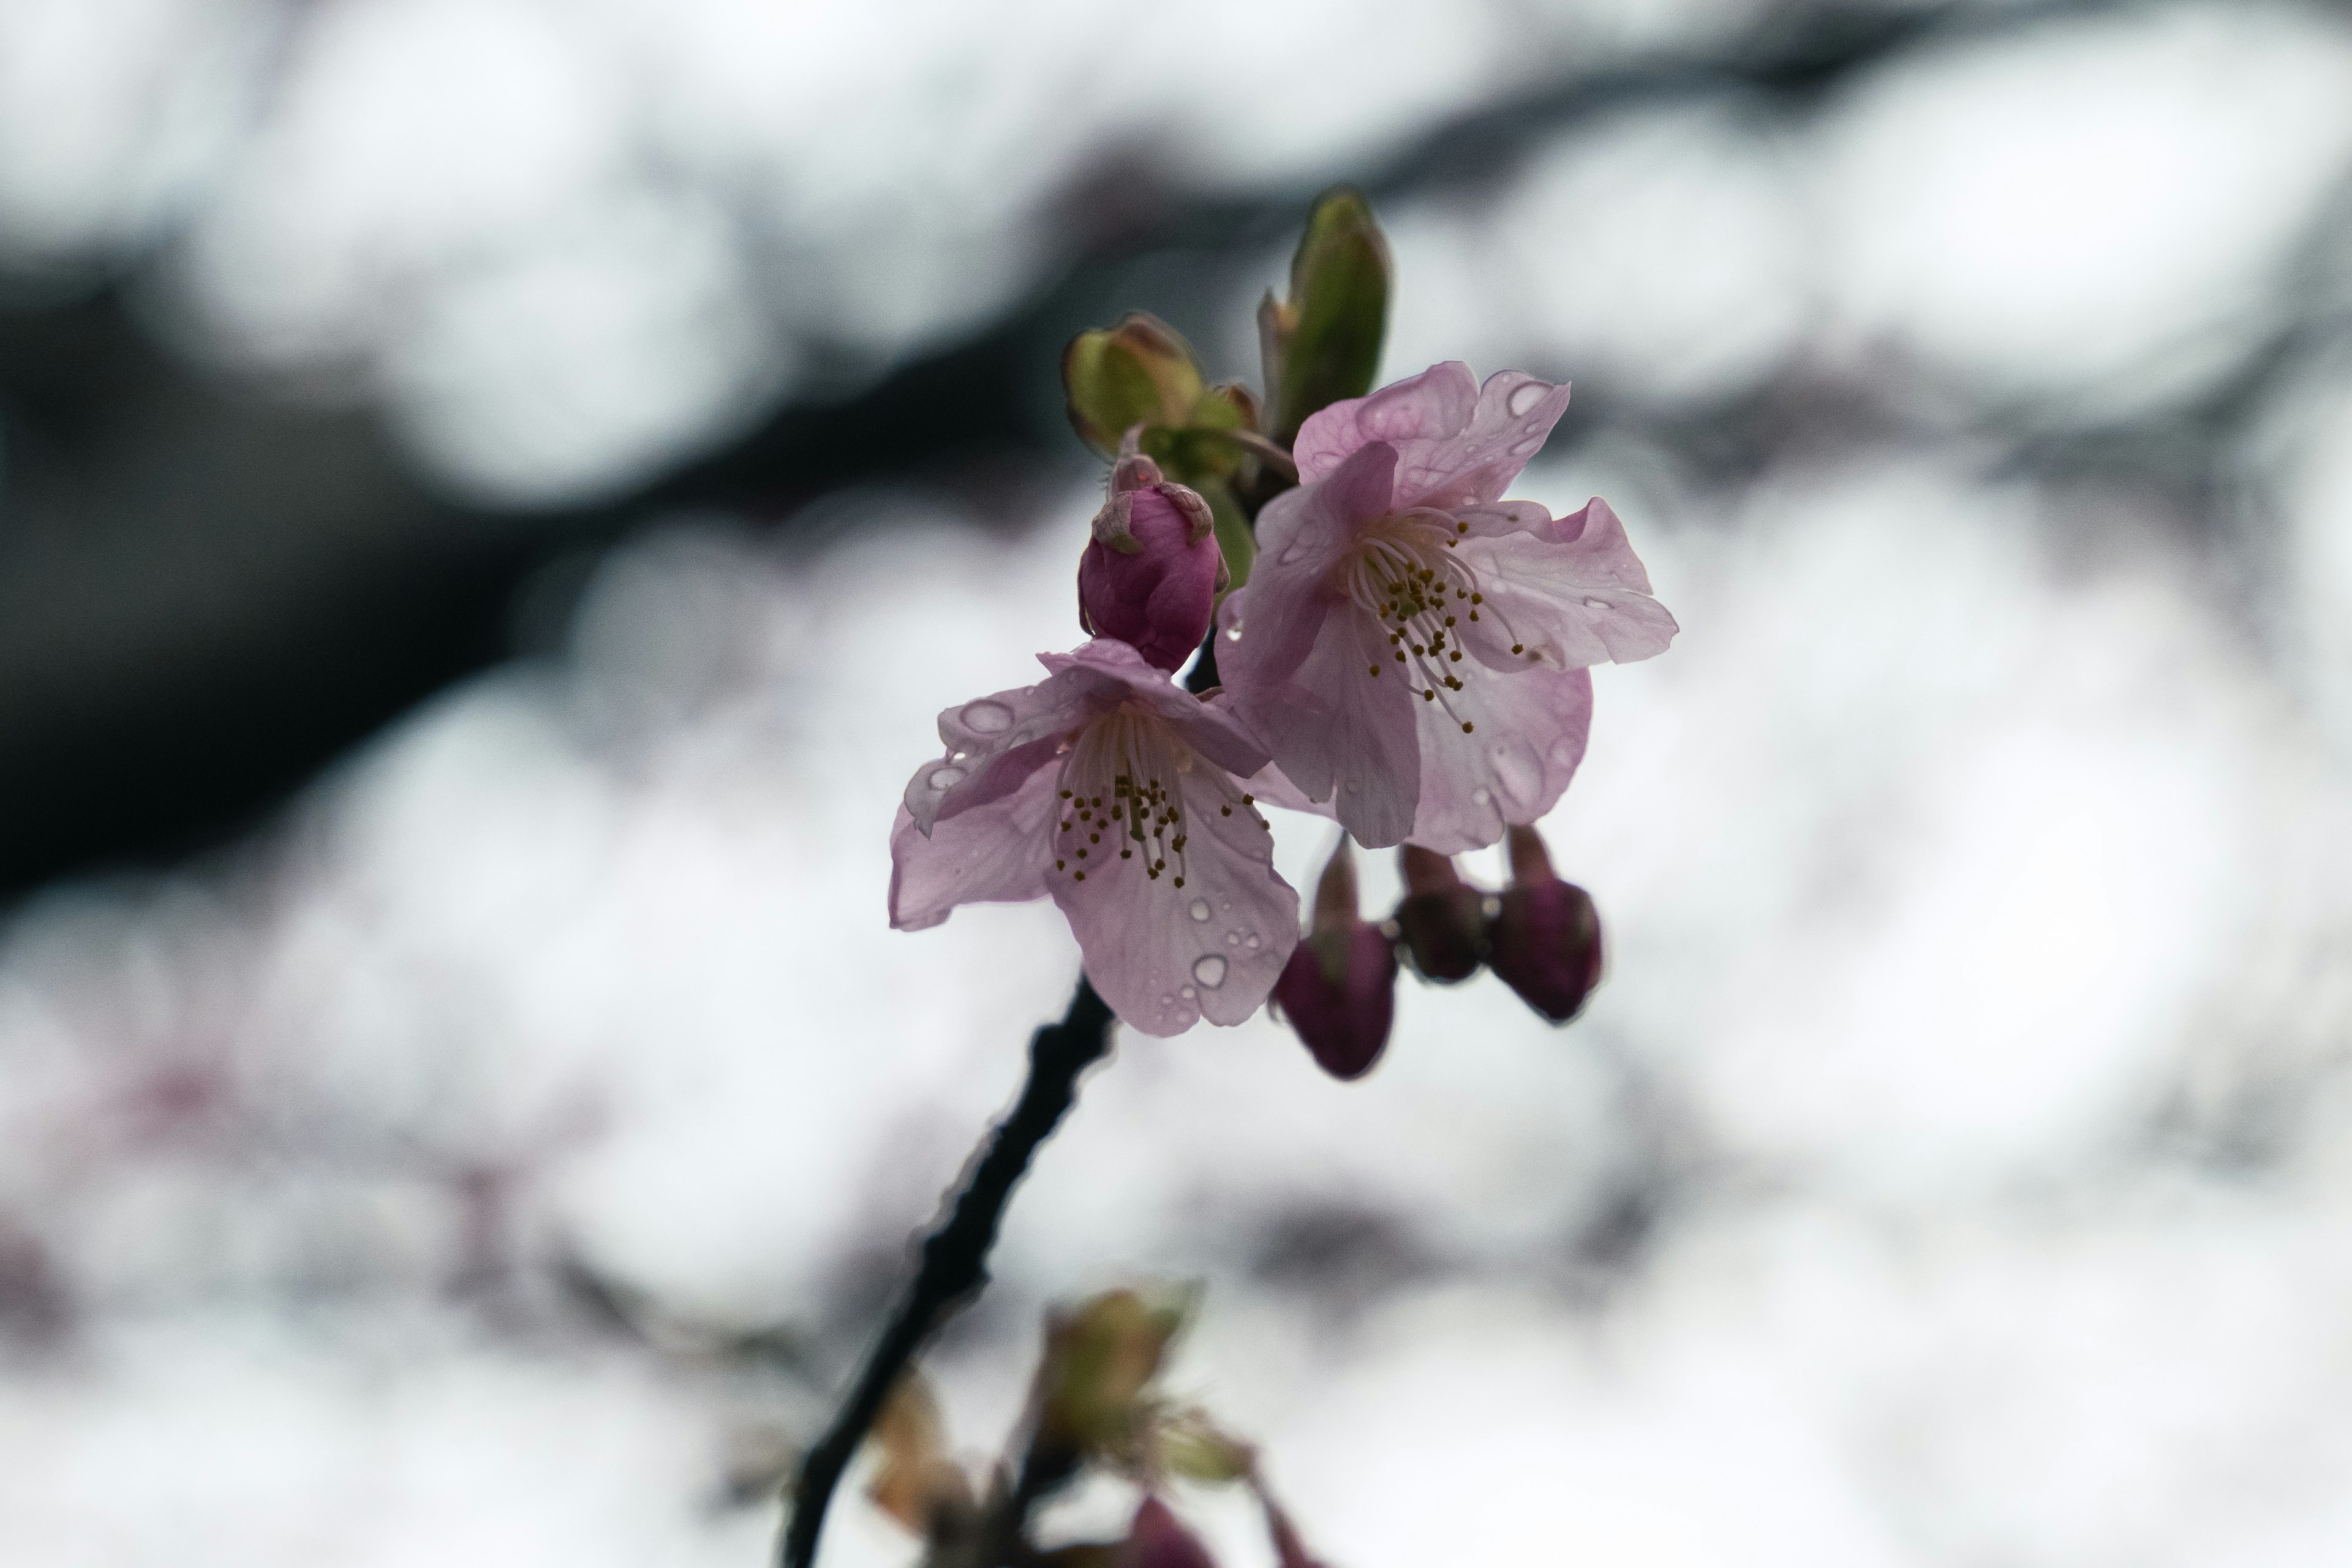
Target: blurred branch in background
207,590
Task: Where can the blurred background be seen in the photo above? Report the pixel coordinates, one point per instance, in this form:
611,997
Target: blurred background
493,492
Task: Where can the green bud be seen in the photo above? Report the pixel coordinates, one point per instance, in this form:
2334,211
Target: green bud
1098,1360
1191,1444
1236,538
1137,373
1323,344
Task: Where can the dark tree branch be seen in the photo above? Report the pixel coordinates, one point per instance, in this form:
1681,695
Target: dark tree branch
954,1257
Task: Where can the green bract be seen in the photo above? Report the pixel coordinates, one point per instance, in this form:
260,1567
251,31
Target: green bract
1137,373
1323,344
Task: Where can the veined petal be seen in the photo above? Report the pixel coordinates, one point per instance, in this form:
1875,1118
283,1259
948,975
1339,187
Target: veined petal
1206,938
1341,732
1307,530
1477,460
1437,402
1531,726
1270,787
995,852
1458,444
995,742
1576,596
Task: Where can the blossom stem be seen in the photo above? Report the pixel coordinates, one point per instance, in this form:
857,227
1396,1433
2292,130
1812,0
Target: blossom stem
954,1267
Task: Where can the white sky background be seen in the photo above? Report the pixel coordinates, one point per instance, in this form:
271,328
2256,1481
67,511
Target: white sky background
1977,867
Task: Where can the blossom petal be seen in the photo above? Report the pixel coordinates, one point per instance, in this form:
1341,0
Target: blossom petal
1575,595
1436,404
1340,732
1305,530
992,853
1478,460
995,743
1528,733
1209,725
1166,956
1270,787
1458,444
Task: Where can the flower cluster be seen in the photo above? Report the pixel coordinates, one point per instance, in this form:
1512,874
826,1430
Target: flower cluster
1377,634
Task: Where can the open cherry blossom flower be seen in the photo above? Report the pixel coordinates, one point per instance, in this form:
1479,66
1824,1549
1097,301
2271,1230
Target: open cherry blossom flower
1411,648
1114,791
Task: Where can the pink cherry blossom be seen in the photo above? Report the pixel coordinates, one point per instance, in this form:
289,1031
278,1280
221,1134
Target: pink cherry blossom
1114,791
1150,575
1411,646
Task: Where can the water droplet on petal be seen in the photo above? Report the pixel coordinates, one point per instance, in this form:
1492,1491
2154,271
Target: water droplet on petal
1166,1000
945,778
1186,992
1596,604
1528,447
1482,795
1254,941
1233,632
1200,909
1525,397
1232,939
987,717
1210,970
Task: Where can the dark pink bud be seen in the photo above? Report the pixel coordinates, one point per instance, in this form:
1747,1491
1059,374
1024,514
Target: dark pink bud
1545,942
1339,990
1443,922
1158,1539
1150,577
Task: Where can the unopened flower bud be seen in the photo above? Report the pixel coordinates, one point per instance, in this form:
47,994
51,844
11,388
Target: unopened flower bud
1158,1539
1545,942
1138,371
1150,575
1339,990
1443,922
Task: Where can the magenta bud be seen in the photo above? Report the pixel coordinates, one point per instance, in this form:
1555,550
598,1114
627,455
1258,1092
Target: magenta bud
1158,1539
1443,922
1545,940
1150,577
1339,990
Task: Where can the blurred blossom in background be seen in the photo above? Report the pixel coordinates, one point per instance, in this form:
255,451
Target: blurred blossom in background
493,492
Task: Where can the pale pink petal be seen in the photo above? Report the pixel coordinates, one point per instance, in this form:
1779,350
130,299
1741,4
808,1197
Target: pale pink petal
1305,530
1477,460
1437,402
1270,787
1458,444
994,742
1489,519
1527,735
1576,596
1209,725
995,852
1342,733
1166,956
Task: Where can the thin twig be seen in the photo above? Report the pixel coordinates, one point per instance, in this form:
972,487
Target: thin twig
954,1257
